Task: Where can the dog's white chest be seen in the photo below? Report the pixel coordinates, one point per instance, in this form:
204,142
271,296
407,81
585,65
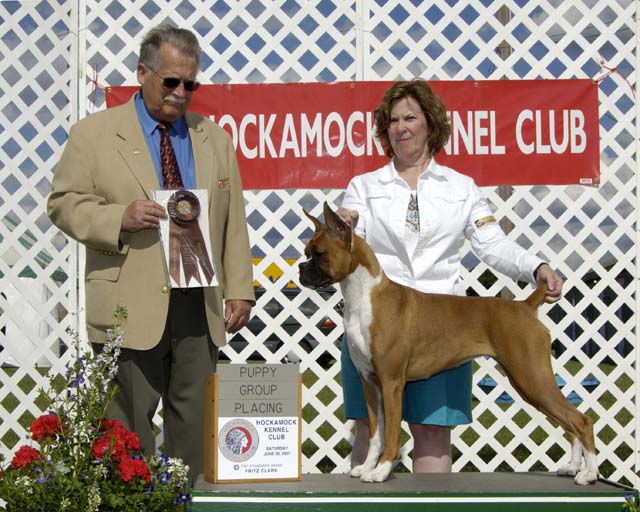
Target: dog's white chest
356,290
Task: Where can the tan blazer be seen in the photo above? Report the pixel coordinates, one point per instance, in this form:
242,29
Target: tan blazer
105,166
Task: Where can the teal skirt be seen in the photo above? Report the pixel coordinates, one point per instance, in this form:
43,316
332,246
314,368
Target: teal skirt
443,399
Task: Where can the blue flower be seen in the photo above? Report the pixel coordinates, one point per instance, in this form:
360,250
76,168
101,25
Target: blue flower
79,379
183,497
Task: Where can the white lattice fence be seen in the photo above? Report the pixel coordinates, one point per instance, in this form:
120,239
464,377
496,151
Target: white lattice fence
56,52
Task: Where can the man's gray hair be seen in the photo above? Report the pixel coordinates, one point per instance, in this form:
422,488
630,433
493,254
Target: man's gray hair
180,38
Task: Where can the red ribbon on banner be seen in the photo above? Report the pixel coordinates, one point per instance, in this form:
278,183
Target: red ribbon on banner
609,71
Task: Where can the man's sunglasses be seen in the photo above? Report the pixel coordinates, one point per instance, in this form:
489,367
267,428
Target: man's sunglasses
171,82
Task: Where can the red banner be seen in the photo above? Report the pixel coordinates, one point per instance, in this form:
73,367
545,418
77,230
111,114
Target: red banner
319,135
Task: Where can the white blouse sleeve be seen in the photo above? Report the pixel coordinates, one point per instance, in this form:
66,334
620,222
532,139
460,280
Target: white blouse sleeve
492,246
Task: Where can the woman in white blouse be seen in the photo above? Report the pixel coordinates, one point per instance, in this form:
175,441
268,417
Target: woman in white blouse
416,214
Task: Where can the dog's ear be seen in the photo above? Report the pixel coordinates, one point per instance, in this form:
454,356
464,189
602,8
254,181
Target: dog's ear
315,221
337,227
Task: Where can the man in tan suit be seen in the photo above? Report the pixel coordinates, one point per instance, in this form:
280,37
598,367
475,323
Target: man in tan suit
102,197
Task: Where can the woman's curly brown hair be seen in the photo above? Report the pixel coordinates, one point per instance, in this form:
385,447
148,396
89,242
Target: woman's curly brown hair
432,107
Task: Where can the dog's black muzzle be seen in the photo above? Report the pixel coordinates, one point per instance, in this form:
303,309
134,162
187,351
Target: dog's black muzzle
312,276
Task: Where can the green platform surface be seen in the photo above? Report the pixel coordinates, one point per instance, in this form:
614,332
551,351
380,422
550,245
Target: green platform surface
455,492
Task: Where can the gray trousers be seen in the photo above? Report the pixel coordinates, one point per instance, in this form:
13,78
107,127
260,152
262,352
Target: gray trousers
175,372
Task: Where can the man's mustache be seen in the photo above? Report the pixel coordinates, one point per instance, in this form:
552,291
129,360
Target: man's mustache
174,99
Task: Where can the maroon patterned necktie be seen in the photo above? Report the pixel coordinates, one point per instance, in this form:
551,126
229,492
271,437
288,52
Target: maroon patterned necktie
171,178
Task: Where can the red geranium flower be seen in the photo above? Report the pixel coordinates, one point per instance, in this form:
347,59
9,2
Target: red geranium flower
24,456
44,427
110,445
130,468
114,426
101,447
115,432
132,441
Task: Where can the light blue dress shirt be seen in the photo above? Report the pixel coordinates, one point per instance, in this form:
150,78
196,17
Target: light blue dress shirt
179,133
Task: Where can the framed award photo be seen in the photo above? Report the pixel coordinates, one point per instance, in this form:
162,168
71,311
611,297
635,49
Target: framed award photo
185,238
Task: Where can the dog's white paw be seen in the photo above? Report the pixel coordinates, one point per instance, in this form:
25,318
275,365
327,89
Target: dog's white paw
378,474
569,470
586,477
357,471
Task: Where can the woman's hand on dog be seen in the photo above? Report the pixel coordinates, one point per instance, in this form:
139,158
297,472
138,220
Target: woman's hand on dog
349,216
545,274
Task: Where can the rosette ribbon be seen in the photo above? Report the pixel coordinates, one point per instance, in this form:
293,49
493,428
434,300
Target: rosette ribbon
186,243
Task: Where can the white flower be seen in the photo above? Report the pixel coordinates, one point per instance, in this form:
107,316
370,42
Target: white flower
177,469
93,500
26,483
62,468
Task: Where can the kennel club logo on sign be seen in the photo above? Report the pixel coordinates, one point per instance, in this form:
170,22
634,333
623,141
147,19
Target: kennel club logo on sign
239,440
320,135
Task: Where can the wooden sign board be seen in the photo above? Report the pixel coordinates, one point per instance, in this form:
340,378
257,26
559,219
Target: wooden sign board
253,423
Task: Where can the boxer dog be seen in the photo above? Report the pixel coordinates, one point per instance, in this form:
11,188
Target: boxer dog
396,334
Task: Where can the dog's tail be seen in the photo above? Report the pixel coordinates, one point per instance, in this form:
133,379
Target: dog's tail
537,297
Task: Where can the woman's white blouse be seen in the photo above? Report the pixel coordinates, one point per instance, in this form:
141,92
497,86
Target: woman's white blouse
451,209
